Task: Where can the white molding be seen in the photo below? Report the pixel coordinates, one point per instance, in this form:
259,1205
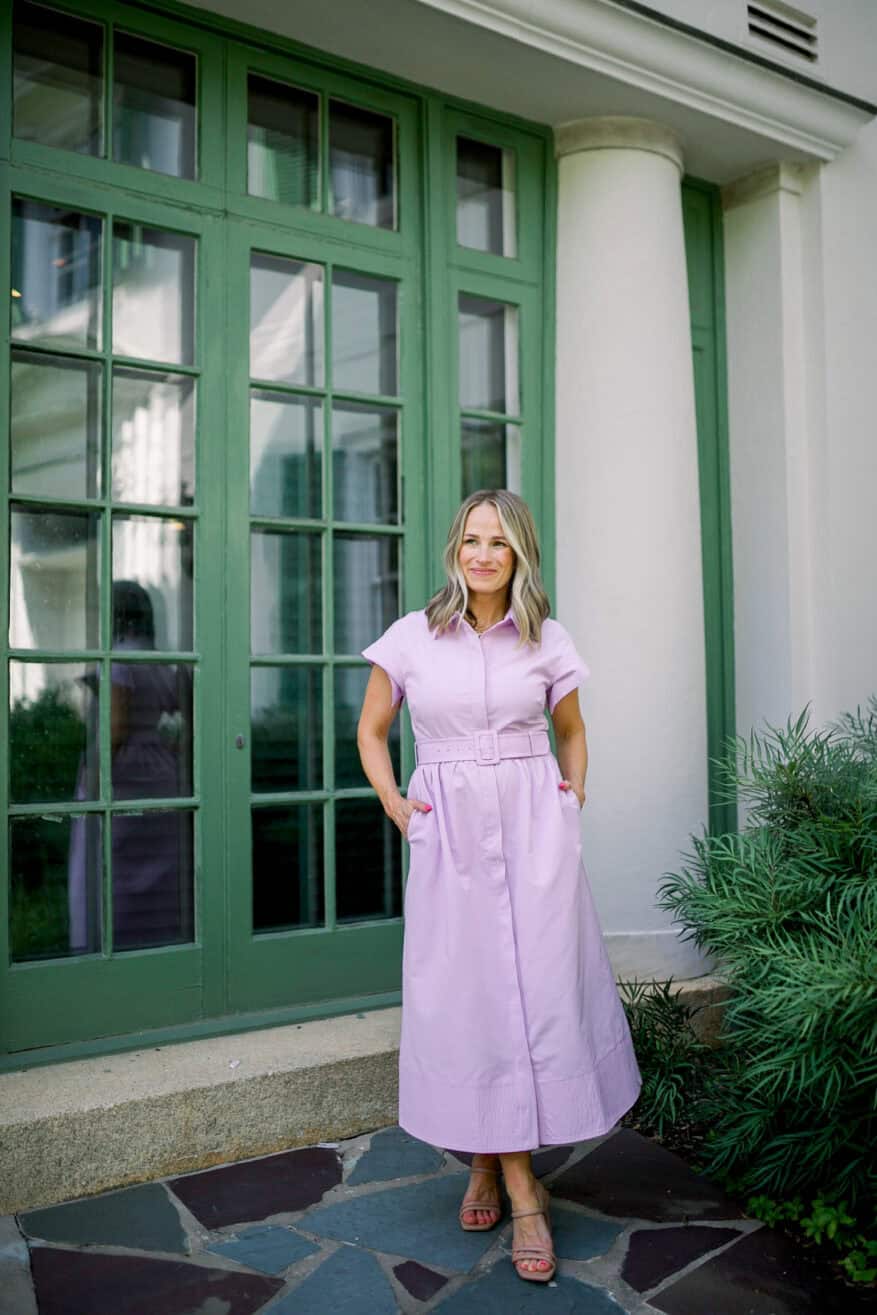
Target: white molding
674,65
618,132
776,177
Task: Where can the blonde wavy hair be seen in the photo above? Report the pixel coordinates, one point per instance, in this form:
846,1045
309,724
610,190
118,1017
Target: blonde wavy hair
527,596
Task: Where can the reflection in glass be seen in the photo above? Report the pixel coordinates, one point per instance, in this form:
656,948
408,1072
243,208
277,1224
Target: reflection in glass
287,867
56,426
286,320
151,728
485,197
53,745
488,335
285,592
153,438
286,443
153,867
366,588
365,464
286,729
153,293
361,165
363,334
368,862
55,886
153,106
56,276
153,558
282,142
350,683
491,456
58,60
54,576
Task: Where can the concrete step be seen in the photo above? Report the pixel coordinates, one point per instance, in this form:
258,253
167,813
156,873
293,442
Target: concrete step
73,1129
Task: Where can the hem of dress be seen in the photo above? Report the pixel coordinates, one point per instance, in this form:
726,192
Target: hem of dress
499,1120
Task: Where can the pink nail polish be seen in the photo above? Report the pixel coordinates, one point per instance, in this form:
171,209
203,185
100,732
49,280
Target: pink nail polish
429,808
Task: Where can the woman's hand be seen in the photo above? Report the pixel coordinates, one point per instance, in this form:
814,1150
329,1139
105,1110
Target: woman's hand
400,809
578,791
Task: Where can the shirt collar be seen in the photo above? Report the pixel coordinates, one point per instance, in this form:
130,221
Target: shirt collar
508,619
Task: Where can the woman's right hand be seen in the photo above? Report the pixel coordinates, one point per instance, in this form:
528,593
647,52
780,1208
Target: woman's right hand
400,809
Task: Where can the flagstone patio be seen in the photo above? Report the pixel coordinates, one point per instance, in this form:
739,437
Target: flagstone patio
369,1227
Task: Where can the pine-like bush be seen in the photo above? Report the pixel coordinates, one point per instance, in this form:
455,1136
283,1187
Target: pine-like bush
788,908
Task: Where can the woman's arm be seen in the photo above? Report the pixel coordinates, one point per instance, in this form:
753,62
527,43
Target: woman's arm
572,744
375,720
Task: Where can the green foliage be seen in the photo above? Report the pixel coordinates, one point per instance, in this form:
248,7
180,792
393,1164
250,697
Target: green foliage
46,739
670,1056
788,908
828,1222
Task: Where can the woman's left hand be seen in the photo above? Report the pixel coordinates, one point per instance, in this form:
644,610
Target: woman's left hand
579,794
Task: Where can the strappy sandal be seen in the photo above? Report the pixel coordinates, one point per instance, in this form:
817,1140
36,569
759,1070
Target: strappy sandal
535,1252
469,1204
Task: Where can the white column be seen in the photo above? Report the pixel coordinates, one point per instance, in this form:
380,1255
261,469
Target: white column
628,522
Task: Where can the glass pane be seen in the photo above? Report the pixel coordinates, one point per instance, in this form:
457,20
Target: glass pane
286,321
488,332
151,728
491,456
56,426
54,575
283,162
287,729
152,583
366,589
56,280
365,464
153,294
288,867
55,886
58,64
153,438
285,591
363,334
368,862
154,103
53,735
350,683
361,165
286,444
153,879
485,197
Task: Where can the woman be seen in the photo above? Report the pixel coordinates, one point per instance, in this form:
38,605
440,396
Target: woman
513,1034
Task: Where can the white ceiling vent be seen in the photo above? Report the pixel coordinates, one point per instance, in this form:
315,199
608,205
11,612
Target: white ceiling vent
785,29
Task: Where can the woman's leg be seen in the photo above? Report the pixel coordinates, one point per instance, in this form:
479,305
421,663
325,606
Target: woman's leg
483,1187
520,1182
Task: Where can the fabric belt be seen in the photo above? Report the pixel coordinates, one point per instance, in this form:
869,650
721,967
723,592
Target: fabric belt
485,748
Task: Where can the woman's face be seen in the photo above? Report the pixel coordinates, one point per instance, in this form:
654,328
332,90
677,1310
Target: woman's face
486,557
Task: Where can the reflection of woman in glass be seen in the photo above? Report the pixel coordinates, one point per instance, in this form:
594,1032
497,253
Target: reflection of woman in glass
150,716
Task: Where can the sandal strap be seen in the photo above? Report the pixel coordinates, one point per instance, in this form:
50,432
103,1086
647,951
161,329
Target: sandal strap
519,1214
470,1204
545,1253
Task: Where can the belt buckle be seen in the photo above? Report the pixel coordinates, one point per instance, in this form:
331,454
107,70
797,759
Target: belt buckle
487,748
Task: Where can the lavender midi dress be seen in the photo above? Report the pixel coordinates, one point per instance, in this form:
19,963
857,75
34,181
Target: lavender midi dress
513,1033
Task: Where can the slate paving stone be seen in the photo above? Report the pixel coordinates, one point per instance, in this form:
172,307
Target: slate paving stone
628,1176
418,1222
421,1282
394,1154
577,1237
349,1282
653,1254
143,1218
269,1249
764,1273
90,1283
256,1189
501,1292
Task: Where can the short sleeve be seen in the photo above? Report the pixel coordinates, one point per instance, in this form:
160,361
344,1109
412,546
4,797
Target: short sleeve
567,670
388,653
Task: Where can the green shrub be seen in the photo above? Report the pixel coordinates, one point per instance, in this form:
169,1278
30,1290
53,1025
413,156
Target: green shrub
788,908
670,1056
